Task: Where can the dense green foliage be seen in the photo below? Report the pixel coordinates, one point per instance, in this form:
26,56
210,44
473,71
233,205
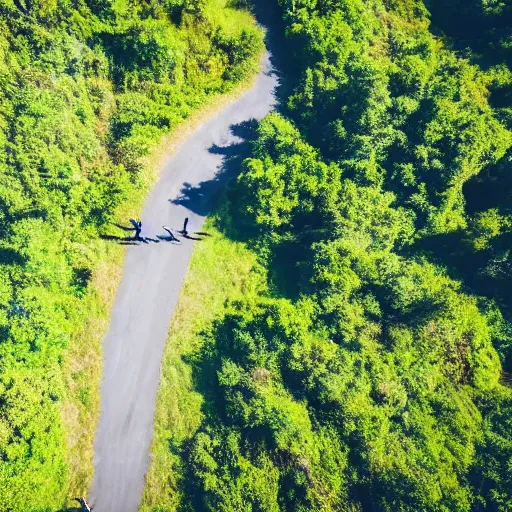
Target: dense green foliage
370,376
86,88
484,26
483,30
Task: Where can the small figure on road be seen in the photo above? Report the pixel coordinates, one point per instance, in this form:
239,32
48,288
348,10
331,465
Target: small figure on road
172,236
137,226
85,506
184,231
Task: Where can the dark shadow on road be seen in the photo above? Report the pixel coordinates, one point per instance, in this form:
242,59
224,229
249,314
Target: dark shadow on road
201,199
159,238
121,240
246,130
226,151
164,238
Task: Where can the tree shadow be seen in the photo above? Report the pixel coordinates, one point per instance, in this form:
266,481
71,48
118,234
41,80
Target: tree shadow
472,34
268,15
10,256
124,228
246,130
201,199
451,251
198,199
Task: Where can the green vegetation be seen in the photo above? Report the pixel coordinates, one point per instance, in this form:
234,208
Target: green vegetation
368,372
221,271
87,89
348,335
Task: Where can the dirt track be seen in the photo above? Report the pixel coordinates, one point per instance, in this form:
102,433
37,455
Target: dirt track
153,275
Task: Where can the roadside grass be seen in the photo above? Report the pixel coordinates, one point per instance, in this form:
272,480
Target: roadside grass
84,359
221,270
83,368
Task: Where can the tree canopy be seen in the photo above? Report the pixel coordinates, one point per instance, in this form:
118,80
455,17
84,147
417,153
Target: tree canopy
370,376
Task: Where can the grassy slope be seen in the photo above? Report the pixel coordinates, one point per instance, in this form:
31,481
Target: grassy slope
83,362
220,270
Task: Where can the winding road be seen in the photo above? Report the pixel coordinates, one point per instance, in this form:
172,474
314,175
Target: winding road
145,301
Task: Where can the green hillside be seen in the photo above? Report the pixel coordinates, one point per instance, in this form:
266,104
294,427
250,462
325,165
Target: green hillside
344,338
87,88
368,367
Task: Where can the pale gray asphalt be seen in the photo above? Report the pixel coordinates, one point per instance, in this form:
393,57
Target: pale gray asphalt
153,275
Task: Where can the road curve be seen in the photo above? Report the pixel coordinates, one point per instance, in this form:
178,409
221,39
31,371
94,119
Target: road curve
145,301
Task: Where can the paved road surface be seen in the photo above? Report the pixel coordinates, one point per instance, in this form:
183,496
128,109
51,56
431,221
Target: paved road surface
153,275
